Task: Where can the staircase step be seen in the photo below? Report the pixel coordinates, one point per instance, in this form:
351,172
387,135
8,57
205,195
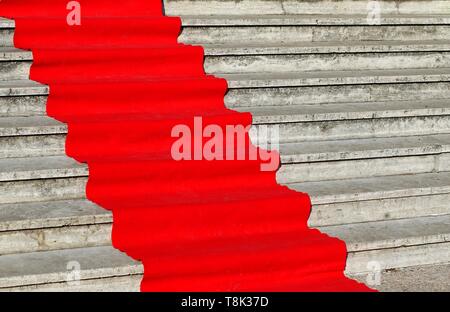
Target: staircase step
43,226
395,243
48,167
347,111
306,152
351,159
361,93
14,64
42,190
41,179
326,47
22,88
248,7
51,214
312,19
8,54
32,125
426,278
377,198
258,80
31,136
7,23
6,33
250,64
59,268
226,29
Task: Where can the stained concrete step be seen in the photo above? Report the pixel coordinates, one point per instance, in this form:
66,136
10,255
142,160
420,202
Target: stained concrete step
339,47
41,179
359,93
23,87
288,79
14,64
377,198
31,136
249,64
33,168
319,151
426,278
360,128
347,111
22,98
53,225
297,28
395,243
361,168
60,269
51,214
6,32
258,7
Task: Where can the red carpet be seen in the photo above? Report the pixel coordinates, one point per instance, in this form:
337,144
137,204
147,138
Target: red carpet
122,82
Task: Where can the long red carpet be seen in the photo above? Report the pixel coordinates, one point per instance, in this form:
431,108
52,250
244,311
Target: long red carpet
121,82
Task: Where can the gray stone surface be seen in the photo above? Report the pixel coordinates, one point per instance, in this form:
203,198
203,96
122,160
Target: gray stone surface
270,48
432,278
47,214
56,266
257,7
33,168
22,87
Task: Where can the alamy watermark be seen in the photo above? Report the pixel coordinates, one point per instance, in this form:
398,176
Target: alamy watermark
230,142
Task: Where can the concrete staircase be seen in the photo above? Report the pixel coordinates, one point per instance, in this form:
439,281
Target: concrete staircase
364,117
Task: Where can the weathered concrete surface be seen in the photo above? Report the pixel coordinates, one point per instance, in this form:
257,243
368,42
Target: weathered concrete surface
242,7
435,278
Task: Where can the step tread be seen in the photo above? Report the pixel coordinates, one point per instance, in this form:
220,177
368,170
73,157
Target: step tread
312,19
13,54
49,214
261,80
396,186
6,23
298,152
326,47
30,125
46,167
345,111
22,87
52,266
392,233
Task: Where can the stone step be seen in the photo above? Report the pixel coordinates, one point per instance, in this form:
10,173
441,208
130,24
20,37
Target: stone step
33,168
298,79
360,128
395,243
332,7
335,150
14,64
31,136
347,111
425,278
359,93
377,198
6,34
41,179
80,268
362,168
53,225
20,98
23,87
298,28
286,63
326,47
